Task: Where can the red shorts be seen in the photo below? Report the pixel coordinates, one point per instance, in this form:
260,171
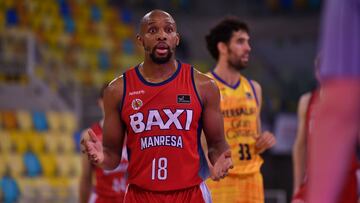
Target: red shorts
348,194
198,194
95,198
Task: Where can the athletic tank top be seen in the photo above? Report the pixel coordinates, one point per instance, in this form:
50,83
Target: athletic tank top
240,110
349,191
110,184
163,124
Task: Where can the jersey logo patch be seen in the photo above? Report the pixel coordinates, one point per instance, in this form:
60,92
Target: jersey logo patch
183,99
136,104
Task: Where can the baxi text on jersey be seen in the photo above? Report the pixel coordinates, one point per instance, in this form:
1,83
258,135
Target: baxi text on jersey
163,119
161,140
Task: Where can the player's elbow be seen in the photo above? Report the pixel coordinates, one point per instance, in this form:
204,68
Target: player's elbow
112,148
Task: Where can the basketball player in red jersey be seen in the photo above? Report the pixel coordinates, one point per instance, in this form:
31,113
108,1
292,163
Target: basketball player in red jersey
109,186
162,105
306,110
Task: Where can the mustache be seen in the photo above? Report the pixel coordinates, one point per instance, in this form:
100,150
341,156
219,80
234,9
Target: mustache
154,48
149,49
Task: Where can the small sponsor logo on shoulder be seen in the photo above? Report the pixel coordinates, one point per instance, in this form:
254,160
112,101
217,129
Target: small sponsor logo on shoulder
137,92
183,99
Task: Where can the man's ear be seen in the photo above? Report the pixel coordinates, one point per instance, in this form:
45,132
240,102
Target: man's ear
139,39
222,47
178,39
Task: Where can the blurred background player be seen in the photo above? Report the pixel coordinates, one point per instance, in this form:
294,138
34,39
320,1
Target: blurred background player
228,43
307,106
108,186
338,117
162,105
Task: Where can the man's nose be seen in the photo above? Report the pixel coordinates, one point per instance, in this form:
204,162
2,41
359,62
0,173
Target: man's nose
162,36
248,47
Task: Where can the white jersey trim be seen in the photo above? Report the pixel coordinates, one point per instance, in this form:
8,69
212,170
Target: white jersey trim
205,193
93,197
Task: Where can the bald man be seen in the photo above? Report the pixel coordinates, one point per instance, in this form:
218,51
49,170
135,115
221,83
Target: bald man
162,105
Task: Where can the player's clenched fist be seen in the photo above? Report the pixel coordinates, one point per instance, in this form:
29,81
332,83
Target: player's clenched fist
265,141
92,146
221,166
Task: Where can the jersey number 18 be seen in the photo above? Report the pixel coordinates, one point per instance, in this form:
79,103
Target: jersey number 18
159,169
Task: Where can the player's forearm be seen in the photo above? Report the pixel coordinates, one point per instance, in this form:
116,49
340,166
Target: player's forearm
215,149
112,158
112,149
205,149
85,190
298,179
261,150
299,166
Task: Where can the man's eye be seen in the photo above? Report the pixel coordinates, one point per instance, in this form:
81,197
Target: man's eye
152,30
241,41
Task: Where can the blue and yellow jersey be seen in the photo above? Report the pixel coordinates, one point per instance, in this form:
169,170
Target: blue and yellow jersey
240,109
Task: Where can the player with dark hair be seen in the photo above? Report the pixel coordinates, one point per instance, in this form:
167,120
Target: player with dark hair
228,43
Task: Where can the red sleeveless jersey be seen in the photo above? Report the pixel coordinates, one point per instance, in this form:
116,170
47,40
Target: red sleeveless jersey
110,184
349,192
163,122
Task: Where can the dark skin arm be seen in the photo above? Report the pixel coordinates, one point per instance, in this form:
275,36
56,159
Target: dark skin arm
213,124
107,154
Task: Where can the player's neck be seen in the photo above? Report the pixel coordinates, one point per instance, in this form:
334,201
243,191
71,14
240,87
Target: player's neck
154,72
228,74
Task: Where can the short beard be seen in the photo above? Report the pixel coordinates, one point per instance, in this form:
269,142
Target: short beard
238,65
160,60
